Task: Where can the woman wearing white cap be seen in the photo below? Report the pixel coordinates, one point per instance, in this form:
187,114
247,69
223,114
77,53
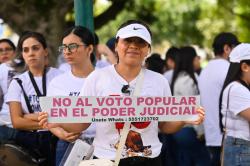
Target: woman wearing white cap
235,108
133,43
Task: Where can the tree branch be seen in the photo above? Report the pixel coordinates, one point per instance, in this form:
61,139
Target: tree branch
110,13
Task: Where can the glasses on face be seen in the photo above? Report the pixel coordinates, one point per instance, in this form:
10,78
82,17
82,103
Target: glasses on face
34,48
72,47
137,41
6,50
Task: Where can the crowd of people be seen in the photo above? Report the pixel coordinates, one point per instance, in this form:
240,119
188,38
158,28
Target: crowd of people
223,86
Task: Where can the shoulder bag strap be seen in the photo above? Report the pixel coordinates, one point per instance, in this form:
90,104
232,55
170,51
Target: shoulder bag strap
126,126
25,95
225,129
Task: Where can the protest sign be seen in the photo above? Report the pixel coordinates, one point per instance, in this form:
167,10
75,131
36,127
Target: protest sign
63,109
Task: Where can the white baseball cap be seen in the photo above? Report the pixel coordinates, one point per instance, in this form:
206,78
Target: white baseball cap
240,52
134,30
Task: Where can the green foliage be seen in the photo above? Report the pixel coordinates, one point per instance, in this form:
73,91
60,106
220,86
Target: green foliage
184,22
177,22
174,21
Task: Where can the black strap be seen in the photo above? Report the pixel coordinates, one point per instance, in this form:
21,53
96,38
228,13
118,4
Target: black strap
244,84
224,129
35,85
25,95
225,126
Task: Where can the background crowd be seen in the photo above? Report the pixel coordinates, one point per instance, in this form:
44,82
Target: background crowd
25,75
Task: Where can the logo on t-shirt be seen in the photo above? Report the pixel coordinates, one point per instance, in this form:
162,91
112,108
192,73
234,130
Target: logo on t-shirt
34,103
134,146
136,28
74,93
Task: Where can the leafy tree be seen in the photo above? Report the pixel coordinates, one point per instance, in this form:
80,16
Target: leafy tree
181,22
49,17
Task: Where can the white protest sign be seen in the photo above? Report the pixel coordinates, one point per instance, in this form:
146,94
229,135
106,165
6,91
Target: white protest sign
63,109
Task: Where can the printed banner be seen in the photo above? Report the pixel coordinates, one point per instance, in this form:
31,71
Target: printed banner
63,109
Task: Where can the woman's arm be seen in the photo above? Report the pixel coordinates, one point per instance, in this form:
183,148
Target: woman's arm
172,127
32,116
245,114
18,119
64,135
69,127
103,49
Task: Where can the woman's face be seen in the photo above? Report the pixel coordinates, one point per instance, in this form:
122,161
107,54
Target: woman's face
6,52
245,69
34,53
196,63
132,51
74,50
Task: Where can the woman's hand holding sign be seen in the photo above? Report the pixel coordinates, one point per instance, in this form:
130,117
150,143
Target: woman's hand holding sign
64,135
69,127
55,129
43,121
174,126
201,115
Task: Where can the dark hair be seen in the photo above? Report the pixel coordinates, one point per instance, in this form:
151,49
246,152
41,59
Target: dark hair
184,63
234,74
155,63
86,36
171,53
12,45
111,44
222,39
96,39
31,34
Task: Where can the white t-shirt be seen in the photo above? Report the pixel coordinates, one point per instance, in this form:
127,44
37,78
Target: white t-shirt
15,92
184,85
65,67
106,82
102,63
239,100
169,75
210,83
67,84
6,75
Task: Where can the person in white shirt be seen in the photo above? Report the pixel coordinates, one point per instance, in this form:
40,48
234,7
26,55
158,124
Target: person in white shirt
77,47
7,52
189,148
170,60
24,92
235,107
210,83
133,44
